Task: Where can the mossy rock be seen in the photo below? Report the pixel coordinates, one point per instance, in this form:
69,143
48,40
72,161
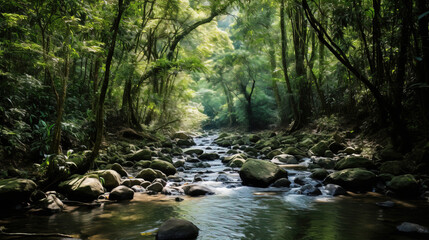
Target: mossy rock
353,179
82,188
404,185
143,154
194,151
260,173
233,157
319,174
319,149
354,162
119,169
294,151
16,190
209,156
254,138
185,142
306,143
111,178
274,153
143,164
273,143
393,167
147,174
237,163
165,167
181,135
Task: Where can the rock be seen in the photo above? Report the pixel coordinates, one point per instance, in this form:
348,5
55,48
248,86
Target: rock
310,190
354,162
82,188
37,195
260,173
319,174
223,178
198,178
236,163
335,190
111,178
404,185
143,163
147,174
138,188
285,158
386,204
209,156
194,151
254,138
181,135
282,182
143,154
336,147
329,153
300,180
163,166
145,184
349,150
326,163
131,182
51,204
177,229
294,151
274,153
192,160
408,227
353,179
16,190
176,151
319,149
273,143
196,190
119,169
121,193
178,164
230,158
393,167
156,187
306,143
160,180
161,175
185,143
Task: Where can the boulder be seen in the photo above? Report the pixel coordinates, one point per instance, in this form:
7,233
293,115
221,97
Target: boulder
51,204
163,166
285,158
145,184
323,162
178,164
147,174
209,156
185,143
319,149
254,138
282,182
300,180
354,162
181,135
353,178
143,163
230,158
392,167
177,229
236,163
121,193
223,178
119,169
82,188
194,151
310,190
274,153
196,190
404,185
294,151
138,188
319,174
408,227
160,175
111,178
155,187
16,190
131,182
260,173
335,190
143,154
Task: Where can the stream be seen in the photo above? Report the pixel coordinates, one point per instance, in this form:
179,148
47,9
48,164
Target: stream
234,211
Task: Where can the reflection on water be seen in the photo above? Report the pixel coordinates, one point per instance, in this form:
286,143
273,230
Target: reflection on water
234,212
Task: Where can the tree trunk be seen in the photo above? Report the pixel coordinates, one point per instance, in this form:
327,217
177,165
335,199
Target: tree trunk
99,120
284,121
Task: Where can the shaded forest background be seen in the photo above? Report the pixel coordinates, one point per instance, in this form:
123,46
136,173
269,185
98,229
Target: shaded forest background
72,72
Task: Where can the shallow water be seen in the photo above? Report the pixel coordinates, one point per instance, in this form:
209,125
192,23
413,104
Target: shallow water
234,212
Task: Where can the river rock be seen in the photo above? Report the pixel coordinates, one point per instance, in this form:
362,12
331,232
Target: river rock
353,179
404,185
177,229
138,188
51,204
282,182
16,190
223,178
285,158
161,175
254,138
185,143
295,151
386,204
163,166
143,154
181,135
260,173
300,180
209,156
335,190
196,190
274,153
354,162
142,164
319,174
236,163
194,151
392,167
155,187
160,180
233,157
121,193
131,182
310,190
147,174
119,169
408,227
111,178
319,149
336,147
82,188
323,162
145,184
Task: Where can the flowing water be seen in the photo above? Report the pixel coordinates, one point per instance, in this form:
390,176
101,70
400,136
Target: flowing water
234,212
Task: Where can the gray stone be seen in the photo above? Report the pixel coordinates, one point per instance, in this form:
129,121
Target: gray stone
121,193
177,229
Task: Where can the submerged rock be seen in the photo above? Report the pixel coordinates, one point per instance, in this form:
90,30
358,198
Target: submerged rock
121,193
260,173
408,227
177,229
16,190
